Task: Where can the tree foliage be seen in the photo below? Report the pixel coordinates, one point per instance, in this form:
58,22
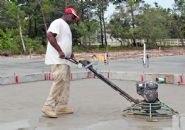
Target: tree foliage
23,23
153,25
119,26
179,20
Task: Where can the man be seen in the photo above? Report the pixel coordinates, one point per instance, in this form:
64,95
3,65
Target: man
59,47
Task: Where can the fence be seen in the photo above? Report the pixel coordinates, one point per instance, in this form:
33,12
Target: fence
171,42
162,42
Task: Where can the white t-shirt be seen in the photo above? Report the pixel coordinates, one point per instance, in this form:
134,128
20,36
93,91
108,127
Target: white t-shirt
64,40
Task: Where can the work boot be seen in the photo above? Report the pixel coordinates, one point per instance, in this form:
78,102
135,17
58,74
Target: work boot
64,110
48,111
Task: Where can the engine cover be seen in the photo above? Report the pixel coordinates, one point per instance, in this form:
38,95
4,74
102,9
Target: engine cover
148,90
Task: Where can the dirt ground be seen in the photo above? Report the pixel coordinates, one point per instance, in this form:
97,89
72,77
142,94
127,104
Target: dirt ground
132,54
139,53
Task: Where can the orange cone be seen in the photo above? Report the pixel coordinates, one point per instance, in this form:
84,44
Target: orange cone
17,79
142,77
181,80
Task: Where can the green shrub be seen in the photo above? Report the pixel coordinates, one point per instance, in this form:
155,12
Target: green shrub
34,45
8,44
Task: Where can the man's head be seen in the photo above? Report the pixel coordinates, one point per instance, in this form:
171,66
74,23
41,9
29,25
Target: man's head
71,15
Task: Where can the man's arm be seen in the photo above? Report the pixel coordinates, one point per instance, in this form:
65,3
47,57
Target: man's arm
51,37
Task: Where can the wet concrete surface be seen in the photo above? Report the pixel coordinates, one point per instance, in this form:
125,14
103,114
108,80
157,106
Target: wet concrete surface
97,107
168,64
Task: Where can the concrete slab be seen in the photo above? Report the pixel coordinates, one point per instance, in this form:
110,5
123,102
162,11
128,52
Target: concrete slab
125,69
168,64
96,106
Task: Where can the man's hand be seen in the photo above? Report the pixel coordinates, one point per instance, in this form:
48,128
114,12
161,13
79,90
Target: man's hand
61,55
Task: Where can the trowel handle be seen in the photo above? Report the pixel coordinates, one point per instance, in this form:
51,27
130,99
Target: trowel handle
72,60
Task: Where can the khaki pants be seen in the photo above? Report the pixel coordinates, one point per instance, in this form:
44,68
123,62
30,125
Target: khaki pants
59,92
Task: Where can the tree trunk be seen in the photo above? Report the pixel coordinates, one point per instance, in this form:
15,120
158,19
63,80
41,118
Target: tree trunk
121,43
133,24
43,16
105,34
20,33
89,40
35,27
30,27
101,26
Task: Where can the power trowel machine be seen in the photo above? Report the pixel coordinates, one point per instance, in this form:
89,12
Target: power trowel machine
150,107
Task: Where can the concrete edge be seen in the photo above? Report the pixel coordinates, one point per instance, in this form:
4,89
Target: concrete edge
177,79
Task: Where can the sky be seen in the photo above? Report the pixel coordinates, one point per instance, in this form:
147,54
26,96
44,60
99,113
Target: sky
163,3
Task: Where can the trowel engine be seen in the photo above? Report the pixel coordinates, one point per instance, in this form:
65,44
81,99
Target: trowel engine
148,90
